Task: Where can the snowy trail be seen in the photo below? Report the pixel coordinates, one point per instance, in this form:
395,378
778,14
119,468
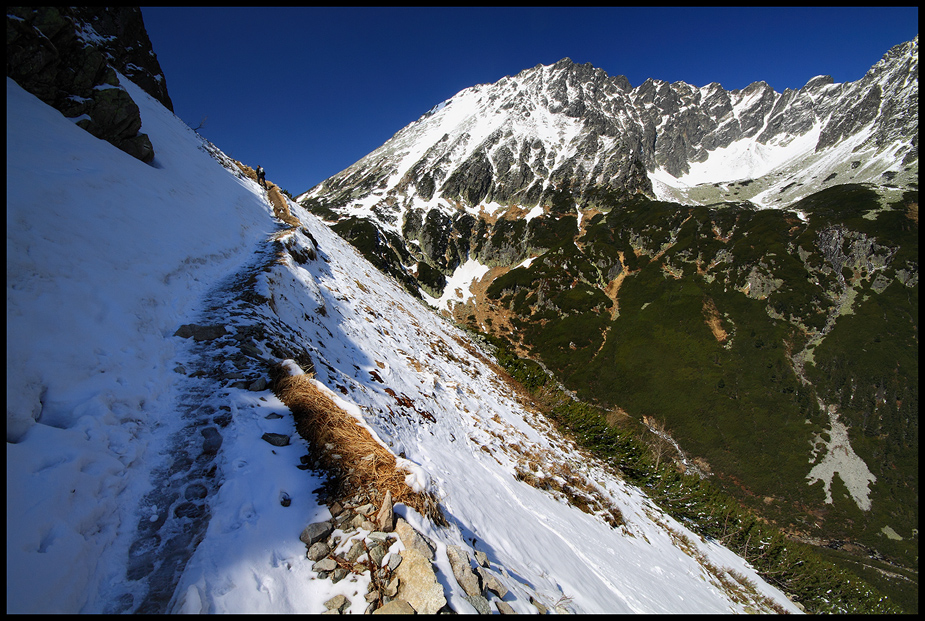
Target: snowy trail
175,514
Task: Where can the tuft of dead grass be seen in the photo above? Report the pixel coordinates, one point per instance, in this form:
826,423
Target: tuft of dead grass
356,460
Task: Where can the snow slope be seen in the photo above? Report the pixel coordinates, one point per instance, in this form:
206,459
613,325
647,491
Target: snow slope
107,257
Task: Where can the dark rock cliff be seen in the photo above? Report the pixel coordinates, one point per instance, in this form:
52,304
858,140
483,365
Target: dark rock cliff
68,57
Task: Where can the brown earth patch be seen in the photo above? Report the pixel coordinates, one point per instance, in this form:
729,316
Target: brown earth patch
912,212
613,287
712,318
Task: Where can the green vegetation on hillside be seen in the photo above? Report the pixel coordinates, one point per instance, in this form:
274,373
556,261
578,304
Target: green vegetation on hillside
795,568
736,328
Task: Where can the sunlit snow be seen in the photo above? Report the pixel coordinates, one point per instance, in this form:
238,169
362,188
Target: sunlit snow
107,257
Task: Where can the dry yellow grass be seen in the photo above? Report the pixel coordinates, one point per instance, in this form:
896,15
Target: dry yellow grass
346,448
280,207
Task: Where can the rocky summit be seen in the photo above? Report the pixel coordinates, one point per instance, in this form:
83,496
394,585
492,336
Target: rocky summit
515,142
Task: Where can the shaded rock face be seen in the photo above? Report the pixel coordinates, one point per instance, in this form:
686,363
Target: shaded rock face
68,58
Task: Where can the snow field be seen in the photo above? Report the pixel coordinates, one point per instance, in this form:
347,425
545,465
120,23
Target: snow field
108,256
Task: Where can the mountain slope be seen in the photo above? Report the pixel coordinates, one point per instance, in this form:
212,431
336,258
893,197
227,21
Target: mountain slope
740,268
124,438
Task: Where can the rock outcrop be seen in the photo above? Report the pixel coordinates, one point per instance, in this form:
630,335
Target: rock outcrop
68,57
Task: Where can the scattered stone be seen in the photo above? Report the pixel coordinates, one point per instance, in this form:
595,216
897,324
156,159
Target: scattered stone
418,584
367,525
316,532
413,540
336,508
491,583
386,518
258,385
285,499
357,521
325,564
394,561
318,551
276,439
481,558
372,596
339,574
338,603
273,416
366,509
377,554
251,350
479,603
503,607
538,605
397,607
200,333
462,570
378,535
356,550
392,589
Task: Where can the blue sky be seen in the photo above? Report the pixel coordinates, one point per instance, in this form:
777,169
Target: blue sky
306,92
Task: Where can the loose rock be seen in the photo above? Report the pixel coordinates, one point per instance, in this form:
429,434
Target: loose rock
377,554
200,333
414,540
325,564
276,439
479,603
318,551
258,385
418,584
503,607
462,570
385,519
356,550
339,574
338,602
396,607
491,583
315,532
392,589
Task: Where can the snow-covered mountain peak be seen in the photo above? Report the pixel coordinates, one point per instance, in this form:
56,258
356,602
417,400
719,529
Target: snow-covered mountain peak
516,141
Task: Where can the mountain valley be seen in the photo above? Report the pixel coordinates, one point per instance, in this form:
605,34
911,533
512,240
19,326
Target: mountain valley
738,267
579,347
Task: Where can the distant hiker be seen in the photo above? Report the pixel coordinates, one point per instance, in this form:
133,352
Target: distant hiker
261,176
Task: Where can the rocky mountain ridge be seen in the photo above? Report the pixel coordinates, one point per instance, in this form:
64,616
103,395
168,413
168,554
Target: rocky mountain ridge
573,126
